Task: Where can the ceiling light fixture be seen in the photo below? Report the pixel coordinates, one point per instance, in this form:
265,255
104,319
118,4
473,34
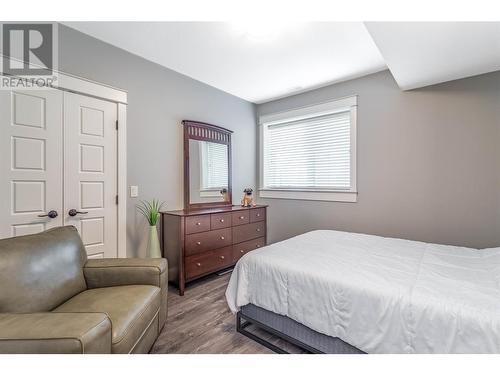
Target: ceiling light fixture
259,31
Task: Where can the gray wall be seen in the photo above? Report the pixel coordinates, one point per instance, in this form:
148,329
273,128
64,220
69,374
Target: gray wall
159,99
428,159
428,163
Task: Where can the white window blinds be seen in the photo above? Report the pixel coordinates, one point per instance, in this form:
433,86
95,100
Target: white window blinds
215,166
309,153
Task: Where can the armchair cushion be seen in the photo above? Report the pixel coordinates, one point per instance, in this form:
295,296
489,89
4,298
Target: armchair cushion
100,273
55,333
40,271
131,309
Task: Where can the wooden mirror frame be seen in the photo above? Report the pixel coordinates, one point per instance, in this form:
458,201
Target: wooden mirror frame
202,131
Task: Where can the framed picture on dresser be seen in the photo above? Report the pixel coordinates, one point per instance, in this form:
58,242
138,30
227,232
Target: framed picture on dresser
209,234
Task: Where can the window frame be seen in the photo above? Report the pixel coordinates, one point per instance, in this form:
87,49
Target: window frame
324,108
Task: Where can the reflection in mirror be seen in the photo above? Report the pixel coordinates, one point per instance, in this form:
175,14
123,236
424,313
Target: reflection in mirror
208,171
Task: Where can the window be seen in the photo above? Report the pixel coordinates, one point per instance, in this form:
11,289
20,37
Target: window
214,169
310,153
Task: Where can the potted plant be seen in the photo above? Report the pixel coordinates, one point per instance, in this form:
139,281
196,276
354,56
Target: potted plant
151,211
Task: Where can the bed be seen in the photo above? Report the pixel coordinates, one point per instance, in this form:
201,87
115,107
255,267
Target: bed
339,292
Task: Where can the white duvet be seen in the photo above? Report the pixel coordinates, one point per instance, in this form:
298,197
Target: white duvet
382,295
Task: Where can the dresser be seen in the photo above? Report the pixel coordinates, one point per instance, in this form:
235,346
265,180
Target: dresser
203,241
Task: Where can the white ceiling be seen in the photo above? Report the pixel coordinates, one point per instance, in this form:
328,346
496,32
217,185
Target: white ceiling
257,62
263,61
425,53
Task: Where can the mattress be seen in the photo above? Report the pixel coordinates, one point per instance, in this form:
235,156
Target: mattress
380,295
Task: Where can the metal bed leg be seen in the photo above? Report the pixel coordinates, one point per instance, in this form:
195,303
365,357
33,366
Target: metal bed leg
241,328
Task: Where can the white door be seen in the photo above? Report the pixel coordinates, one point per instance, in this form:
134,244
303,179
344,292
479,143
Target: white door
90,172
30,161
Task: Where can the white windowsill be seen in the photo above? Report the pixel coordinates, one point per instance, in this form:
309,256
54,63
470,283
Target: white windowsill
332,196
210,193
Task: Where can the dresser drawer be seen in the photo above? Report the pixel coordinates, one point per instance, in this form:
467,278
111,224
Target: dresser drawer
257,214
195,224
242,248
208,262
249,232
219,221
200,242
240,217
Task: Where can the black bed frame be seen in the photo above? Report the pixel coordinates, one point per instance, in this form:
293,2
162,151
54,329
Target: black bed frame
243,322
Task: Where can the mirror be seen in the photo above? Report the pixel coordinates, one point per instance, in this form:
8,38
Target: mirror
207,165
208,171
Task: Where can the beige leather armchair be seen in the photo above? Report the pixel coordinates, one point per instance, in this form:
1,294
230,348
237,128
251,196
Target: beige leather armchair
54,300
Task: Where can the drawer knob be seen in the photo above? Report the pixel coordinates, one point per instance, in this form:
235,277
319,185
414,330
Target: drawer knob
222,257
242,251
222,237
242,217
198,243
198,223
221,220
257,246
258,229
258,215
198,264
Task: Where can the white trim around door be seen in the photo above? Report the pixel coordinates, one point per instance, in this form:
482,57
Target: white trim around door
122,180
90,88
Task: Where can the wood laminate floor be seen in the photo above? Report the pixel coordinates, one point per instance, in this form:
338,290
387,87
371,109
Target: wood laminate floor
201,322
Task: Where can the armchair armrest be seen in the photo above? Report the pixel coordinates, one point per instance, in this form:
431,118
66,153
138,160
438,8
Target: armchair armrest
100,273
52,332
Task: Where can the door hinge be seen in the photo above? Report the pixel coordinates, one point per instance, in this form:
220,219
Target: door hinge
116,124
116,199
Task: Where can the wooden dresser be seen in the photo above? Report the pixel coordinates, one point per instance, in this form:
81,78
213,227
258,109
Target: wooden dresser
199,242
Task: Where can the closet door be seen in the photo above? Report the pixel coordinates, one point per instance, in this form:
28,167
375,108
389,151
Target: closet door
90,172
31,167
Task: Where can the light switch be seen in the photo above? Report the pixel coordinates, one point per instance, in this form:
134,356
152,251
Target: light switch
134,191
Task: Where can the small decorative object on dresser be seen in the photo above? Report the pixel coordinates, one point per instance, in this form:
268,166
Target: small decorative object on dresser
225,194
151,211
247,200
208,235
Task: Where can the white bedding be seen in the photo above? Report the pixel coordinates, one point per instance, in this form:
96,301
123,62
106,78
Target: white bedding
382,295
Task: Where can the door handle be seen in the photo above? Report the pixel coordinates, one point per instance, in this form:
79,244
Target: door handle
74,212
52,214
